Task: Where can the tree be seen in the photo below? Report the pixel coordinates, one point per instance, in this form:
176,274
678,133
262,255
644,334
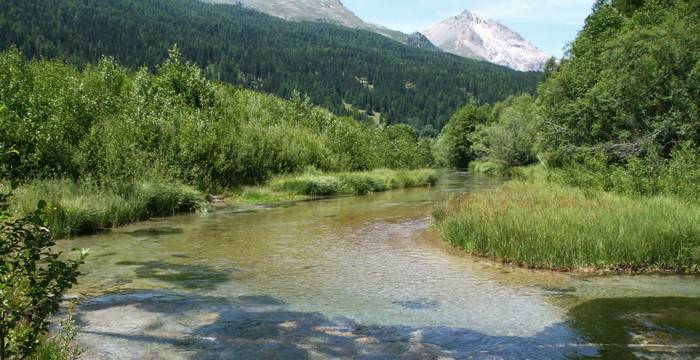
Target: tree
628,84
454,146
510,140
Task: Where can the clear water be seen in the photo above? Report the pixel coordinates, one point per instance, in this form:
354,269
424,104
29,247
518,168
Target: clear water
358,278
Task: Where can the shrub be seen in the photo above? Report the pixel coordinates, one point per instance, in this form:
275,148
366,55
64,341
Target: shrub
454,146
511,138
110,125
32,281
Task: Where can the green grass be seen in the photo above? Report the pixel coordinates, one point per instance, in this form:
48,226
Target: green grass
353,183
79,208
84,208
314,184
548,226
486,168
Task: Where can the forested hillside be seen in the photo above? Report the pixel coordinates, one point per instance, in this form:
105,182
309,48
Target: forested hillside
335,66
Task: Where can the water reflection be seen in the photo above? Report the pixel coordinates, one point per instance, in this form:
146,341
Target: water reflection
641,328
361,277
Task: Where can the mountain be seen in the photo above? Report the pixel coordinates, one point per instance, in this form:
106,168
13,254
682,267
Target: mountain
471,36
331,11
341,69
420,41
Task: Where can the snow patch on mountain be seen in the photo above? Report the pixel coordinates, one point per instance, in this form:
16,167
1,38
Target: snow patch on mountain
471,36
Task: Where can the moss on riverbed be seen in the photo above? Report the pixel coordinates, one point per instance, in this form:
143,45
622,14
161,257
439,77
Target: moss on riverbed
549,226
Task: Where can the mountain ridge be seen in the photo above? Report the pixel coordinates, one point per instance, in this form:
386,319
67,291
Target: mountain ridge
332,11
471,36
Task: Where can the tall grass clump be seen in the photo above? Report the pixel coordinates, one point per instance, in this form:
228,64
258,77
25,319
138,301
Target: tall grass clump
315,184
84,207
549,226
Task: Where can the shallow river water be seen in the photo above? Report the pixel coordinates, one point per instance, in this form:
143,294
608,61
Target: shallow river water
358,278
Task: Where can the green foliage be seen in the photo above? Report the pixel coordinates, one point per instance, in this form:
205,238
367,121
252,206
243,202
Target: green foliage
551,226
629,83
678,176
510,139
260,52
33,279
454,146
85,207
109,126
617,123
61,344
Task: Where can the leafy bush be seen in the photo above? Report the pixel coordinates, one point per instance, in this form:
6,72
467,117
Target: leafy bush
32,281
678,176
454,147
110,125
511,138
629,82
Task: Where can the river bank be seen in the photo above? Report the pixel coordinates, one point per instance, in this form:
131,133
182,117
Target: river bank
82,208
544,225
354,277
314,184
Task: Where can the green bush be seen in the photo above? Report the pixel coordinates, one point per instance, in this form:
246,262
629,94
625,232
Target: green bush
511,138
33,280
678,176
454,147
628,82
110,125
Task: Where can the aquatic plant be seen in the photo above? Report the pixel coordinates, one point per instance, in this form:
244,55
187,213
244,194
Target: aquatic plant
352,183
550,226
76,208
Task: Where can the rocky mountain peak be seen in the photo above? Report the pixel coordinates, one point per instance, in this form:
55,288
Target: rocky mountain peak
471,36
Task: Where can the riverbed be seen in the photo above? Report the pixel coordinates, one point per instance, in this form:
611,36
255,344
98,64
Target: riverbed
358,278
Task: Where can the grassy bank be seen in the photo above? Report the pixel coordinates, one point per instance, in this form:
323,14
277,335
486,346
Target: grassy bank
549,226
313,184
78,208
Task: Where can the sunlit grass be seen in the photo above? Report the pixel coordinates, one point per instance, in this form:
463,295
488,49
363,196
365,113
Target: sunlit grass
353,183
77,208
549,226
314,184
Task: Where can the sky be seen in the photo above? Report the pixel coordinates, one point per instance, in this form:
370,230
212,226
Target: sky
549,24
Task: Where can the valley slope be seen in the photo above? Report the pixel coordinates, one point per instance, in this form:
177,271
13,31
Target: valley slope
347,71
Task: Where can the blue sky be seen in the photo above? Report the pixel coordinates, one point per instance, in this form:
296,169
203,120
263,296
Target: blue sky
549,24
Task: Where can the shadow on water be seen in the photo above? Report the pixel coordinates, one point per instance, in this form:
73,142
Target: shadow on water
262,327
640,328
156,232
184,276
418,304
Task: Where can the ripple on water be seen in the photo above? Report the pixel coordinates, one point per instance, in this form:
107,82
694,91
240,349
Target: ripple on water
370,281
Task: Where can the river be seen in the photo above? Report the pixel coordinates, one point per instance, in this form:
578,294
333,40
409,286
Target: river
358,278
